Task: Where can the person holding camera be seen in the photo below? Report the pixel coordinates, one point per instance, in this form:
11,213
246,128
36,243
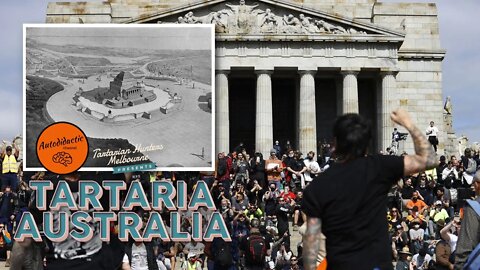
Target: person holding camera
450,173
283,256
255,192
270,199
257,169
219,193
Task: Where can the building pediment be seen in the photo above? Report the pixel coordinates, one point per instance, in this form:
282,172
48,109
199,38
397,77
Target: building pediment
272,19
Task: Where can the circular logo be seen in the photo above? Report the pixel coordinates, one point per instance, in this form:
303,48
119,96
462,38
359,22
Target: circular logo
62,148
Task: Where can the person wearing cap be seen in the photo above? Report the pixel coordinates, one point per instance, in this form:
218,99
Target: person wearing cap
405,260
194,247
416,234
422,259
274,168
469,236
192,263
278,148
219,193
358,237
257,167
438,215
9,167
399,238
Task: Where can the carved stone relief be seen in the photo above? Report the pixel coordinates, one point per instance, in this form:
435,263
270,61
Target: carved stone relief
249,19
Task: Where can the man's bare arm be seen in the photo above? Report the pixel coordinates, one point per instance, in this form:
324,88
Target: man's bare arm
425,157
311,243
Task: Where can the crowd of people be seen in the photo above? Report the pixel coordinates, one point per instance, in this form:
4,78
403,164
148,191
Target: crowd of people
260,200
426,210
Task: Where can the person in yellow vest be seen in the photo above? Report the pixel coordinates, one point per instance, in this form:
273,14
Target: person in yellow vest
9,167
192,263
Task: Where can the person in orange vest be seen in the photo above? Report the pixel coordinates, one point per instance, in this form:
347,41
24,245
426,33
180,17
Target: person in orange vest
9,167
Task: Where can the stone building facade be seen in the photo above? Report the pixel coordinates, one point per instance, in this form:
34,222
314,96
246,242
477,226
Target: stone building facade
286,68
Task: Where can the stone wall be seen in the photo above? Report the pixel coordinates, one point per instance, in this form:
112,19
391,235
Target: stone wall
419,78
419,81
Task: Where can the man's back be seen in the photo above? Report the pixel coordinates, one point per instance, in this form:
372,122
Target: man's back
350,199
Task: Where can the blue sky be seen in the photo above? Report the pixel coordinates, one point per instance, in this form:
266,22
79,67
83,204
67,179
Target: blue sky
459,31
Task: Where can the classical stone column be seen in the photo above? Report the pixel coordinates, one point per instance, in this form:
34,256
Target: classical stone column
264,115
222,123
388,99
307,124
350,91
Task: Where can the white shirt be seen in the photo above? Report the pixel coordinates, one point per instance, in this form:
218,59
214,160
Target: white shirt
312,167
425,262
453,241
447,171
139,257
432,131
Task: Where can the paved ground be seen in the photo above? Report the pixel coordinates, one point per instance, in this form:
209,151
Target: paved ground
183,133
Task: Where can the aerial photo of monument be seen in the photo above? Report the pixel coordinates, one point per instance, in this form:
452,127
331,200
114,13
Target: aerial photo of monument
141,94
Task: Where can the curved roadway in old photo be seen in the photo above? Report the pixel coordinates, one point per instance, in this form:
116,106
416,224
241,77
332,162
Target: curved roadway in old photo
183,133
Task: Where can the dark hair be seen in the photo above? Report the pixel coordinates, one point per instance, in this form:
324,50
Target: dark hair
353,134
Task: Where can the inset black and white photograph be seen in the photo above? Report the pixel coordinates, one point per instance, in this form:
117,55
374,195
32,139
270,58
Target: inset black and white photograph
142,94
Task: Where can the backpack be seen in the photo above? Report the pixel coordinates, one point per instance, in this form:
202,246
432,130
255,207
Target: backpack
473,261
223,255
257,249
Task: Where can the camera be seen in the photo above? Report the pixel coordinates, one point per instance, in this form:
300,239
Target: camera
402,136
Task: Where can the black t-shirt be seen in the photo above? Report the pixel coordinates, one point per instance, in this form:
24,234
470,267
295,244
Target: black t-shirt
350,199
407,192
295,164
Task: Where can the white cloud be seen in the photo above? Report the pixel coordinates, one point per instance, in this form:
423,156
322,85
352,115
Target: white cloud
460,36
11,115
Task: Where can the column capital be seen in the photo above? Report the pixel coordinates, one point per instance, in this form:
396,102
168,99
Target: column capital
388,71
349,71
263,71
309,71
222,71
